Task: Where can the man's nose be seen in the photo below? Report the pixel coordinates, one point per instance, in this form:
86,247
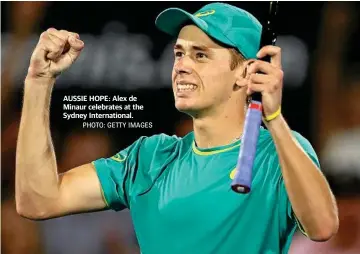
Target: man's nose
184,65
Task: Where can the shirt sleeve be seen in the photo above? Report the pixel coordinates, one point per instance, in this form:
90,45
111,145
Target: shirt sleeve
307,147
115,173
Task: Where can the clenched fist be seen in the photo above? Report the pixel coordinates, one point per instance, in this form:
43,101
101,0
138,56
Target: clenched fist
54,53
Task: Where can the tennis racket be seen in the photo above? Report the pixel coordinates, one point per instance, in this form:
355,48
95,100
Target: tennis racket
243,176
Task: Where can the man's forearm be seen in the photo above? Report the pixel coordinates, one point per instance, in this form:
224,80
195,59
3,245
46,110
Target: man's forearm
309,193
36,170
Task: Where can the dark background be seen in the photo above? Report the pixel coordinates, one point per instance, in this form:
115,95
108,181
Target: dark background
139,17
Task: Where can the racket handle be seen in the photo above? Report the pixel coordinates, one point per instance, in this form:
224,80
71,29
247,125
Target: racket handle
243,176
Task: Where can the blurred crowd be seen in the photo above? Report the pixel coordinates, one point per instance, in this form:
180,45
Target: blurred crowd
336,123
335,120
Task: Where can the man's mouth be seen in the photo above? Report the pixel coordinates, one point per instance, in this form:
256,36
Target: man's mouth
182,87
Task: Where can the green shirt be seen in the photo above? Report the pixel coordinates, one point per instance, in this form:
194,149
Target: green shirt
180,199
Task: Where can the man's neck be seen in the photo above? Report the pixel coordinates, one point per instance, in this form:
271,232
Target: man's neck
218,130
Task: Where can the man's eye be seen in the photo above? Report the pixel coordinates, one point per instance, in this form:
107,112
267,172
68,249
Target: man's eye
201,55
178,54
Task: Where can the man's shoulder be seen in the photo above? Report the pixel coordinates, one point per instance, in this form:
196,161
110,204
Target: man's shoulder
161,138
266,140
307,147
163,141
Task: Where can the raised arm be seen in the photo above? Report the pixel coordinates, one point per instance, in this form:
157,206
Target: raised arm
42,193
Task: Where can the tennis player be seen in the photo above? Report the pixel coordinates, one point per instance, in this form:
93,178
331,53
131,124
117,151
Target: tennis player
178,189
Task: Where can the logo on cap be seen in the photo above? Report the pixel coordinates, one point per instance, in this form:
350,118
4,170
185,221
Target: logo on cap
205,13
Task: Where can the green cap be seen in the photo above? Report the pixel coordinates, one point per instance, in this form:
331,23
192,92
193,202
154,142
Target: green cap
228,24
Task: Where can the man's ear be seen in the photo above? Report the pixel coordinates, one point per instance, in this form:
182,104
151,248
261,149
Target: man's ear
241,73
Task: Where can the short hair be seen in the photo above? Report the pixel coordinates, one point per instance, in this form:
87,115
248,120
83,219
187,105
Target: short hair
236,58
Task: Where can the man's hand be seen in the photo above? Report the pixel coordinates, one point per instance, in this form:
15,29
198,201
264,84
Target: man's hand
270,82
54,53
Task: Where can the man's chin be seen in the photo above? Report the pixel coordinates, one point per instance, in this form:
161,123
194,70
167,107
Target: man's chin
186,108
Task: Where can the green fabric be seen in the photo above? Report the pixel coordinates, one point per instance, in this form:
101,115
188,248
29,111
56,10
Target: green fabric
180,198
228,24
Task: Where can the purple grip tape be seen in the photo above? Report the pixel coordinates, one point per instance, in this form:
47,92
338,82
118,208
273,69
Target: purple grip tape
244,167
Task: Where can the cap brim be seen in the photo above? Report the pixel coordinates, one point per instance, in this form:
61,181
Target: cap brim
171,21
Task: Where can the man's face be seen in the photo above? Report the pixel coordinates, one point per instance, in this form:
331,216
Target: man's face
202,79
